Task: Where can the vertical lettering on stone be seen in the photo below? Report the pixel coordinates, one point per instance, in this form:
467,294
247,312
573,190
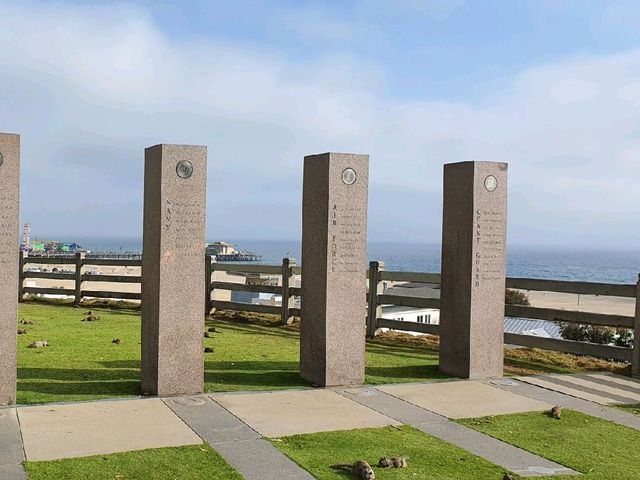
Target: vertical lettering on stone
172,269
473,269
9,261
334,263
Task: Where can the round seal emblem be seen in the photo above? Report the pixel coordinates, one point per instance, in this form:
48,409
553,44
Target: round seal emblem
184,169
491,183
1,159
349,176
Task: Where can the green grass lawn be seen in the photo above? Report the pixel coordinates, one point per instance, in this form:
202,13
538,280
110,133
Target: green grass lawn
251,352
193,462
599,449
429,458
82,363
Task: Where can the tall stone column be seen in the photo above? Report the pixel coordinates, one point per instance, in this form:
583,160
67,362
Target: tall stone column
173,266
9,263
473,269
334,256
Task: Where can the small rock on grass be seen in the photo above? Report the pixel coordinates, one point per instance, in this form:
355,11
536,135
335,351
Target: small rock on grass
22,331
38,344
208,350
117,341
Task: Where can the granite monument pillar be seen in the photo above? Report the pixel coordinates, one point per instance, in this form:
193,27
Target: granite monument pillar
175,179
334,256
473,269
9,262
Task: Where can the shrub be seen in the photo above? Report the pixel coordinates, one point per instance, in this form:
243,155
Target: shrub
515,297
587,333
625,338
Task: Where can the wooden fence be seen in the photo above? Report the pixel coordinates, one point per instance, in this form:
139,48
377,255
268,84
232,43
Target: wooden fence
375,298
78,261
377,275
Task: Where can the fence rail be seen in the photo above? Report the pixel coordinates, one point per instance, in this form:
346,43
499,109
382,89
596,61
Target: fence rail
377,275
376,298
79,261
581,288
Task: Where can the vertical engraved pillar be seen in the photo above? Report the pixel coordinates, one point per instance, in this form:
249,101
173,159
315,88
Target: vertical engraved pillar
9,263
334,255
473,269
175,178
635,354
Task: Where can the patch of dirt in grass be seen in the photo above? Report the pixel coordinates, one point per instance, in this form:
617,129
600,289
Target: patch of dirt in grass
520,361
262,319
86,303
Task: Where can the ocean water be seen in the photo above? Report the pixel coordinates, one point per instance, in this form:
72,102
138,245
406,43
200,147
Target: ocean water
559,263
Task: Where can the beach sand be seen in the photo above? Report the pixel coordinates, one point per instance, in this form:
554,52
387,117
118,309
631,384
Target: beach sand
223,295
583,303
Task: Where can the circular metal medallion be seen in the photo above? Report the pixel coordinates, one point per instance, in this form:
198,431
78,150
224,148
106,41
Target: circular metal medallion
1,159
349,176
184,169
490,183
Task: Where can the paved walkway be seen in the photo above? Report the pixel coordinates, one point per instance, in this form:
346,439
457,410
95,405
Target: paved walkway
234,424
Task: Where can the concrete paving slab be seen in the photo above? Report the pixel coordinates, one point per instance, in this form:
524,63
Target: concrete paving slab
259,460
238,443
621,379
11,451
13,472
464,399
592,385
210,421
626,384
498,452
614,415
391,406
280,414
550,384
52,432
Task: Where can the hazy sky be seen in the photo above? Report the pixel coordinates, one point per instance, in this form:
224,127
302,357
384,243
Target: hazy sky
551,87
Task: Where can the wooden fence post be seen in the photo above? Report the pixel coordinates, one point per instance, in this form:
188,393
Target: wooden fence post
635,359
208,270
79,263
21,276
376,287
288,301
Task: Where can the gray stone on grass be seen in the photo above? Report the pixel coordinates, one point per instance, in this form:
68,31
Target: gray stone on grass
473,269
334,255
172,269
